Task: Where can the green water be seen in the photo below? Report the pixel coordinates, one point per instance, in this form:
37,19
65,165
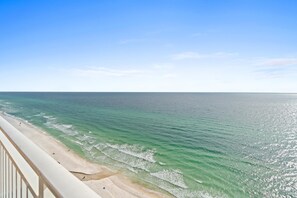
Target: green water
185,144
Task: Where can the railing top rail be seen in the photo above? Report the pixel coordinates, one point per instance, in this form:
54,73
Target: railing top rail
56,177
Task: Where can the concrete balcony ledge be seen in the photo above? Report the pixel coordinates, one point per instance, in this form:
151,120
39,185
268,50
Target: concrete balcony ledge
28,171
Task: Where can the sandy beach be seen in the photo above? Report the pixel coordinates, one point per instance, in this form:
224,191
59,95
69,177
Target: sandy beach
104,181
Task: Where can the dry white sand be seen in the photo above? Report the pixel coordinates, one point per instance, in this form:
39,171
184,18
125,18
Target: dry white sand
106,182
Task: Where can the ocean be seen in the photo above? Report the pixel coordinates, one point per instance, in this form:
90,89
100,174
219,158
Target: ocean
189,145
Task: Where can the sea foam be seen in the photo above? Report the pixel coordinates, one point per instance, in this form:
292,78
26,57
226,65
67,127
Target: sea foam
66,129
174,177
134,150
128,157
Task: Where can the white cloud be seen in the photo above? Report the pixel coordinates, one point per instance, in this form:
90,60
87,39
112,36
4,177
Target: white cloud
196,55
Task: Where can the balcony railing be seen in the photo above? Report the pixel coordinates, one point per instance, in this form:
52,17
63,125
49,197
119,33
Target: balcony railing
27,171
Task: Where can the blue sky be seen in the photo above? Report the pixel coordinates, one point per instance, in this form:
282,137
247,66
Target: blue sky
149,45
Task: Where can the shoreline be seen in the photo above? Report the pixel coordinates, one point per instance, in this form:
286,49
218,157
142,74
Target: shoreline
103,180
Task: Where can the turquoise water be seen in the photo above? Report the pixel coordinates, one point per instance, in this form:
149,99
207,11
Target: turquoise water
185,144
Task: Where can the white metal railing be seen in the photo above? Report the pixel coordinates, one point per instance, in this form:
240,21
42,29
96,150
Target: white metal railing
27,171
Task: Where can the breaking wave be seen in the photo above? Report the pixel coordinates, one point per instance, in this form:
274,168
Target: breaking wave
174,177
134,158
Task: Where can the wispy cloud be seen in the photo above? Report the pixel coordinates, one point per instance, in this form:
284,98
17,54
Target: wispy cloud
163,66
129,41
278,62
102,71
197,34
277,67
156,70
196,55
169,75
272,72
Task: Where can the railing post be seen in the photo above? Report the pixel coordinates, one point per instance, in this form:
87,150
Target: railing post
41,188
18,155
5,174
1,170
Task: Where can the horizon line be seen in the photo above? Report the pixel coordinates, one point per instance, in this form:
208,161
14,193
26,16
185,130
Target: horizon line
227,92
